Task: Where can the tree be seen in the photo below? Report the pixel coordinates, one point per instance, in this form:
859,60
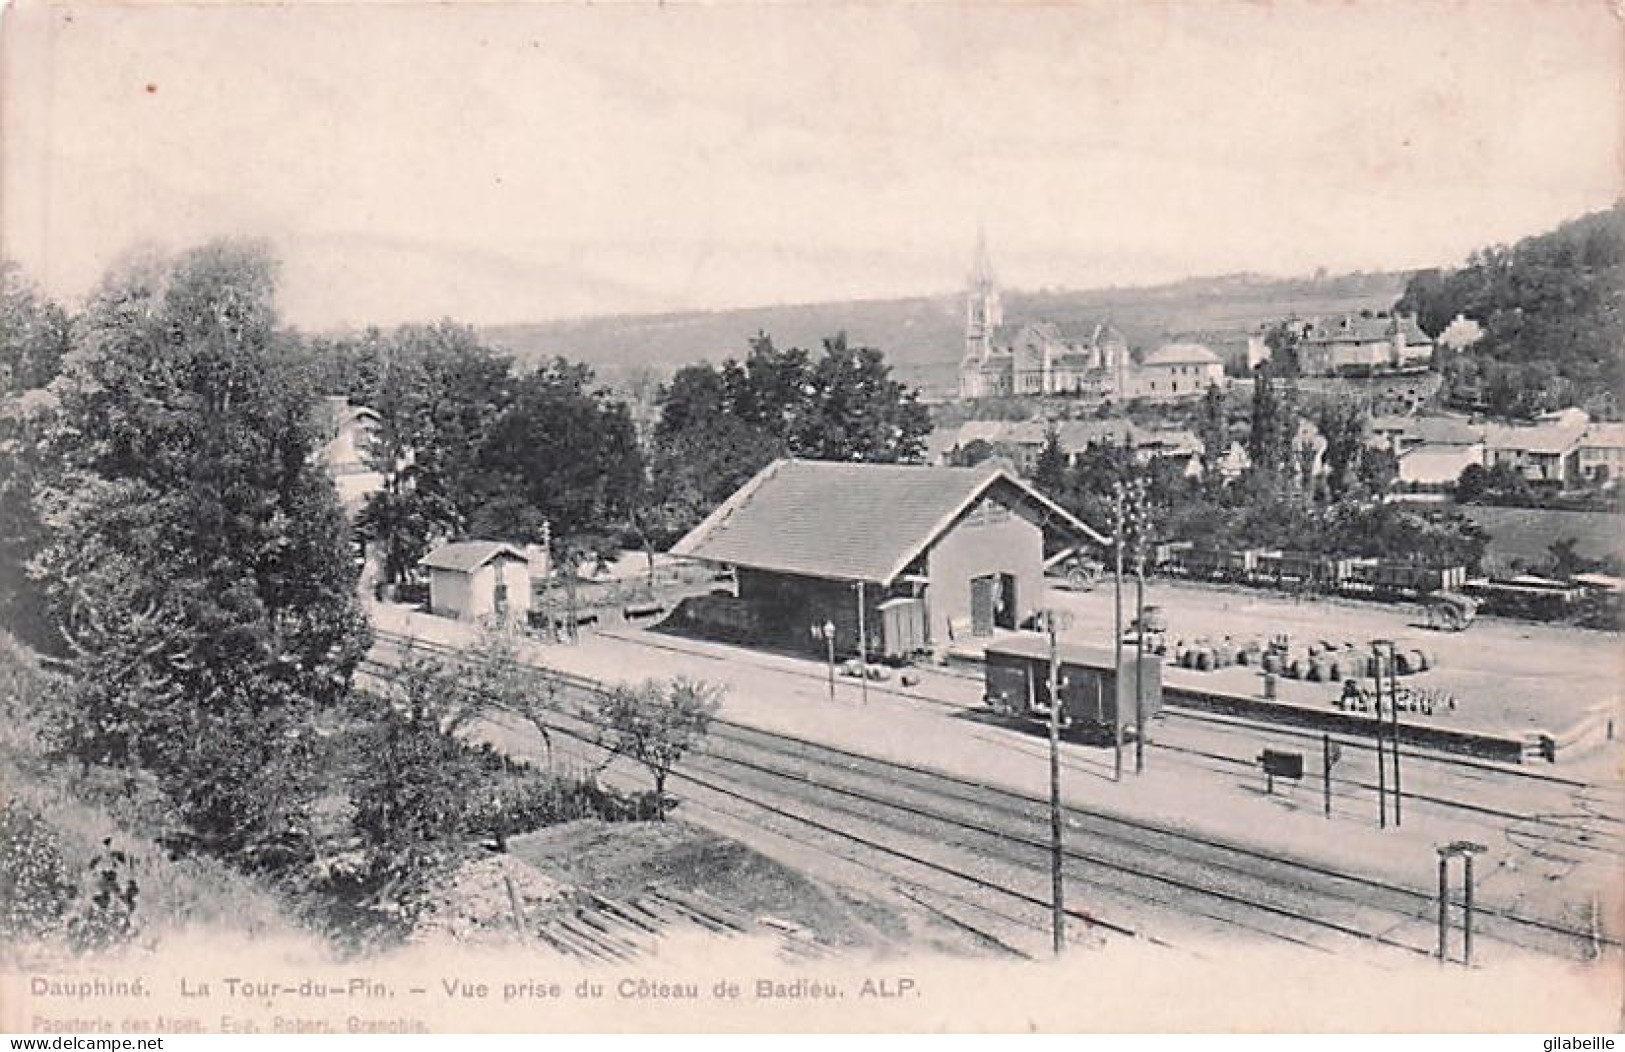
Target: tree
1213,428
562,453
199,566
34,338
1049,473
1283,339
853,410
438,392
1266,448
1472,484
1342,422
657,724
1565,558
720,425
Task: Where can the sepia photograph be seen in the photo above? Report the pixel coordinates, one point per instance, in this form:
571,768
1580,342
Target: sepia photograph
748,517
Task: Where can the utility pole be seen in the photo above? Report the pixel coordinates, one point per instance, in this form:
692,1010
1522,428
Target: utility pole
1382,766
1139,661
1465,849
1057,906
1393,692
1326,771
1444,905
1117,630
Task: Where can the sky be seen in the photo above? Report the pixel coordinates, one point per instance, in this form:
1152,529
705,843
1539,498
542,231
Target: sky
499,163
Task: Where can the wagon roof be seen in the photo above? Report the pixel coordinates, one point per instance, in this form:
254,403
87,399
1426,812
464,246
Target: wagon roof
1069,653
853,522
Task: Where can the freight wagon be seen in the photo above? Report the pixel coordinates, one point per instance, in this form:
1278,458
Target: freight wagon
1535,598
1384,579
1096,690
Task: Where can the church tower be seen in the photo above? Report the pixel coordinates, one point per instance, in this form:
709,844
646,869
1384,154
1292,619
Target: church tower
983,311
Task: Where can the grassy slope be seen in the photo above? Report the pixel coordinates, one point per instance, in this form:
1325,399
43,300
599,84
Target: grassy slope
1527,534
61,819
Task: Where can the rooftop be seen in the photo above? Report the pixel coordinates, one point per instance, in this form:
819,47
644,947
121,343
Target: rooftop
1182,354
467,556
851,522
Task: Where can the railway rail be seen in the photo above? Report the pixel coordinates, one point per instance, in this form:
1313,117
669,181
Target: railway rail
1458,765
987,847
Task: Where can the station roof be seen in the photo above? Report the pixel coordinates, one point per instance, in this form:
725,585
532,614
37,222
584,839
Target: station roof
853,522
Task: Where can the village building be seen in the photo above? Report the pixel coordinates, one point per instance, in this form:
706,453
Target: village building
1547,450
1175,371
1401,434
1437,465
1358,344
1602,453
479,581
350,432
1021,443
1461,333
902,558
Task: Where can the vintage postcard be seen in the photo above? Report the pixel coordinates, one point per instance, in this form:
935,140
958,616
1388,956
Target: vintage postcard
1091,516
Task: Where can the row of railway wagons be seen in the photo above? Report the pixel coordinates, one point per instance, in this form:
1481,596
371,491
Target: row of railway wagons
1377,578
1525,596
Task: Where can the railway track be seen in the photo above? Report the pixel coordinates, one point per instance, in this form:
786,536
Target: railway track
985,849
1559,824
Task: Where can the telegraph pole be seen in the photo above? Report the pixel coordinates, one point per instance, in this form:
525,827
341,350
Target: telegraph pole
1117,630
1382,763
1138,532
1057,906
1393,692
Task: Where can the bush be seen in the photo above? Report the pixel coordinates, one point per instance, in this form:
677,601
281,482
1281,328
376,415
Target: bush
35,889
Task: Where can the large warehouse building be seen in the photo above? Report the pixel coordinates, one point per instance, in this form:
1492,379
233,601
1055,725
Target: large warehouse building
904,557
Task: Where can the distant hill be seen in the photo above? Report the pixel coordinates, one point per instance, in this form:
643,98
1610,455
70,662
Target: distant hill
923,336
1552,308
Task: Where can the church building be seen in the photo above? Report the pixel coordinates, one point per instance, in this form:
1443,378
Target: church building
1038,359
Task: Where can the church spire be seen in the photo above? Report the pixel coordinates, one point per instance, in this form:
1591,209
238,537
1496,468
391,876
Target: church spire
983,311
981,274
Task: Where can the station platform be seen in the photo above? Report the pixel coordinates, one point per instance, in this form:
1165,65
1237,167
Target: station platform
1241,691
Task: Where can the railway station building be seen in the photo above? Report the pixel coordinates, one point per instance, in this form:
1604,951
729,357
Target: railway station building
895,559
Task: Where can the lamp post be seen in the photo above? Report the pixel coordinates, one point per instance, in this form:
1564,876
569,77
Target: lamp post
826,632
863,649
